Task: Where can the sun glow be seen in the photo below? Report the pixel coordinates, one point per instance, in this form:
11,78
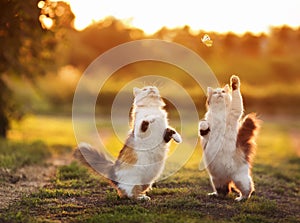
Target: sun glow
221,16
46,22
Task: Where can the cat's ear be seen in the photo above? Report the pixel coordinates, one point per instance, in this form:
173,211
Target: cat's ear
136,91
209,94
227,88
209,91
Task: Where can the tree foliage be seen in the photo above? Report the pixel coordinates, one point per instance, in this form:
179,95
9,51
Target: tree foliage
266,56
37,37
26,46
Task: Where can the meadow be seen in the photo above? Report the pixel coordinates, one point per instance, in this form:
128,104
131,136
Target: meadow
73,194
41,182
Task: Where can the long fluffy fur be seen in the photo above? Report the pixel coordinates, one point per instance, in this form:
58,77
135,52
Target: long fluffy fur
247,135
94,159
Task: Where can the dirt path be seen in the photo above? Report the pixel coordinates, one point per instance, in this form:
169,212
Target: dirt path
28,180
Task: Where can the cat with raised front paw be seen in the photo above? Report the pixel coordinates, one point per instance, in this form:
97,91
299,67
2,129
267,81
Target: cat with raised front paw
141,160
228,141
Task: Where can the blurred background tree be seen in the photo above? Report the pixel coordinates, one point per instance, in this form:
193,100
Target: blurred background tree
27,47
39,45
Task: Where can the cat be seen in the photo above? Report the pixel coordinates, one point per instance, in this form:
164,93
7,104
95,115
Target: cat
228,161
142,158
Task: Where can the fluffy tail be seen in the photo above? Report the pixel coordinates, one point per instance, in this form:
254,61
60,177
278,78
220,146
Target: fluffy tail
247,136
94,159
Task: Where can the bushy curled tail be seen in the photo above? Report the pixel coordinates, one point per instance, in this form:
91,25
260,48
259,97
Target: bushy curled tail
247,136
94,159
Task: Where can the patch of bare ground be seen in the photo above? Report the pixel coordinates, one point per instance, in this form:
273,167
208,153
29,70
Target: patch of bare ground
27,180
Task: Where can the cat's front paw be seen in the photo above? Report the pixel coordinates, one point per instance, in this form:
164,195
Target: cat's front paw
144,126
203,128
203,125
146,122
172,134
177,138
235,82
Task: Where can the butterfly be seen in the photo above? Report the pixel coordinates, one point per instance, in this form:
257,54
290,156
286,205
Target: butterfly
206,40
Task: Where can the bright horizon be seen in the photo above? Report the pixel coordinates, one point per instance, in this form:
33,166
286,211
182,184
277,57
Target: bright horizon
254,16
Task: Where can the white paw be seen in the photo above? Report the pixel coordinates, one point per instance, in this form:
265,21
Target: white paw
240,198
203,125
143,198
213,194
177,138
235,82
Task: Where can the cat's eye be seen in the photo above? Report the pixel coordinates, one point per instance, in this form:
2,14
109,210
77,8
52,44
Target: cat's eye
223,91
145,89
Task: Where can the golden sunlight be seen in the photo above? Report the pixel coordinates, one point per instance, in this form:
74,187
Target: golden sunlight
221,16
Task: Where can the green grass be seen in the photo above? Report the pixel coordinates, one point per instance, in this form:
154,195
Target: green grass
14,155
76,195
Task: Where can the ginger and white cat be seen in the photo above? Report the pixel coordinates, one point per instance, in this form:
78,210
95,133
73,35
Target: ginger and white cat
142,158
228,142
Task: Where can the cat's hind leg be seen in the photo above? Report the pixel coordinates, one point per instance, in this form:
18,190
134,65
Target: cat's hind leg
223,190
214,193
245,185
220,188
139,192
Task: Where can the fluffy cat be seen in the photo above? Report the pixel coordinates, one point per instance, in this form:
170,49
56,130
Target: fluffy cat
142,158
228,142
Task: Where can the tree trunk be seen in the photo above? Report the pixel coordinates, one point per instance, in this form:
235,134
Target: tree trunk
4,124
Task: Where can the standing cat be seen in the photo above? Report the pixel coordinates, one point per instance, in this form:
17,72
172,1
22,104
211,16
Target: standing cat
228,141
142,158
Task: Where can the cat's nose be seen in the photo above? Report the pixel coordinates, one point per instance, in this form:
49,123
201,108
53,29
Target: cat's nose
152,90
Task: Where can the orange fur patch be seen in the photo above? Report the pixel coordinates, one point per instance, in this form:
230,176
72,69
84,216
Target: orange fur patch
121,193
127,155
247,135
